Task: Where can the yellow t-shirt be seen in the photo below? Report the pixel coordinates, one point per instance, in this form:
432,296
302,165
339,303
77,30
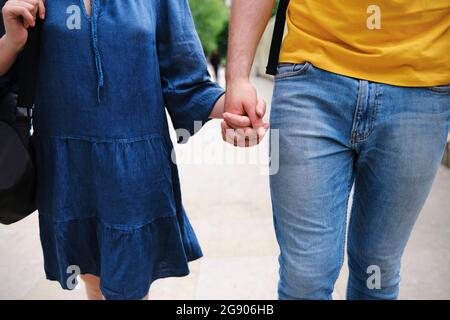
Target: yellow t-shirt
398,42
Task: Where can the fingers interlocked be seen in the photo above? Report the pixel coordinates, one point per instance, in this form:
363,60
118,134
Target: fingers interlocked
238,130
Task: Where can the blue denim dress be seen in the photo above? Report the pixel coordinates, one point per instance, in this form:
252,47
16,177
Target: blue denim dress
108,193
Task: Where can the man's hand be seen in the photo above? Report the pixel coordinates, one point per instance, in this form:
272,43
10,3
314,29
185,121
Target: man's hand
243,124
248,21
238,130
241,99
18,16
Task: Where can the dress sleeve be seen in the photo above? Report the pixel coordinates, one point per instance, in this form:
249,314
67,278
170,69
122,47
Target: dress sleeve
189,93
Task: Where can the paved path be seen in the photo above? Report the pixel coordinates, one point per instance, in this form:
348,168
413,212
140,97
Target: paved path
229,206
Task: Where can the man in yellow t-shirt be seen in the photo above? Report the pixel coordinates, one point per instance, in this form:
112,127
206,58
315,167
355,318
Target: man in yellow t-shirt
362,100
402,43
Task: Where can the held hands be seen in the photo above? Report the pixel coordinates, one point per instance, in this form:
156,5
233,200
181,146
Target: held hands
243,124
18,16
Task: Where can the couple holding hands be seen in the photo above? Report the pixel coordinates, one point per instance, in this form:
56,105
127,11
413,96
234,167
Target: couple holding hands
355,105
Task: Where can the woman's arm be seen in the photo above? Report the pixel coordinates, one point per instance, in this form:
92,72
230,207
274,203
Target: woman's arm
18,16
189,93
218,109
8,54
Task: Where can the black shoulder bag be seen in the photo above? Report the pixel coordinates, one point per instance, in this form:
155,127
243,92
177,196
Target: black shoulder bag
275,47
17,171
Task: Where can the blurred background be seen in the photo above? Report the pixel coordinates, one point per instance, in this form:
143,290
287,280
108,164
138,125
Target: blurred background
226,194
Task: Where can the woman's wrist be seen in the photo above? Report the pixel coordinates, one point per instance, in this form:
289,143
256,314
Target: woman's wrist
218,109
8,52
10,45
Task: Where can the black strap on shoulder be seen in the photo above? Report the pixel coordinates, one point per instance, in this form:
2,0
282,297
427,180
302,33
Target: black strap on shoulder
26,64
28,68
2,27
275,47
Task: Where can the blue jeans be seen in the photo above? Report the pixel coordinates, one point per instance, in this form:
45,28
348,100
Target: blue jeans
336,133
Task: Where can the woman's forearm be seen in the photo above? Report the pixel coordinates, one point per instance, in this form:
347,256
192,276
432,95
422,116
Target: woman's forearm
8,54
217,111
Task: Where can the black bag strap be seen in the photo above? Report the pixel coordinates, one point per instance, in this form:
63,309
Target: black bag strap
28,68
27,65
275,47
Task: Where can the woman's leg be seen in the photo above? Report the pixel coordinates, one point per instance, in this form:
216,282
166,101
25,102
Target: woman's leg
92,284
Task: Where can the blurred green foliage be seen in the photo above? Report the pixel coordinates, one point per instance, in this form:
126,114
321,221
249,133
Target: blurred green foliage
210,17
222,41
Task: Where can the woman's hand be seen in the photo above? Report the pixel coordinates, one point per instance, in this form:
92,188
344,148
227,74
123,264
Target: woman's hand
238,130
18,16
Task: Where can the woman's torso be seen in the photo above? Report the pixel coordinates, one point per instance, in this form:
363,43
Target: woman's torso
71,100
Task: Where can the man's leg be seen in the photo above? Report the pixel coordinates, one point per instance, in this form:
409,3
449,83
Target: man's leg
394,172
313,111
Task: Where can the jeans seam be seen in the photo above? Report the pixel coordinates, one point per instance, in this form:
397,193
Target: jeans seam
377,105
357,138
342,254
353,134
373,115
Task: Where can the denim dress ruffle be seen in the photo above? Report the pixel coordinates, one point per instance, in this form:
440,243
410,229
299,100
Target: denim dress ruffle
108,194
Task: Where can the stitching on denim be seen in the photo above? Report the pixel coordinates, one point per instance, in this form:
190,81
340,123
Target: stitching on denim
349,188
377,107
103,140
363,135
119,227
373,114
353,133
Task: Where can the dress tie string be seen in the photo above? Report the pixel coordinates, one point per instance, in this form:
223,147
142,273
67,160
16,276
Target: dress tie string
94,38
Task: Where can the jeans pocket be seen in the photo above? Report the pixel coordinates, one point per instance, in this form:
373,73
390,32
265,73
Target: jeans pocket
288,70
441,89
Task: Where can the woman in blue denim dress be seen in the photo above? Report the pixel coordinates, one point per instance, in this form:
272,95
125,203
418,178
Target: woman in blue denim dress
108,193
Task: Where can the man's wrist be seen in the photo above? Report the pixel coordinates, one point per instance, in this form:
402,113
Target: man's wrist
232,79
237,74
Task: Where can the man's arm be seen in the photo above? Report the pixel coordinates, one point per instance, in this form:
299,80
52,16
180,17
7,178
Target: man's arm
248,21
